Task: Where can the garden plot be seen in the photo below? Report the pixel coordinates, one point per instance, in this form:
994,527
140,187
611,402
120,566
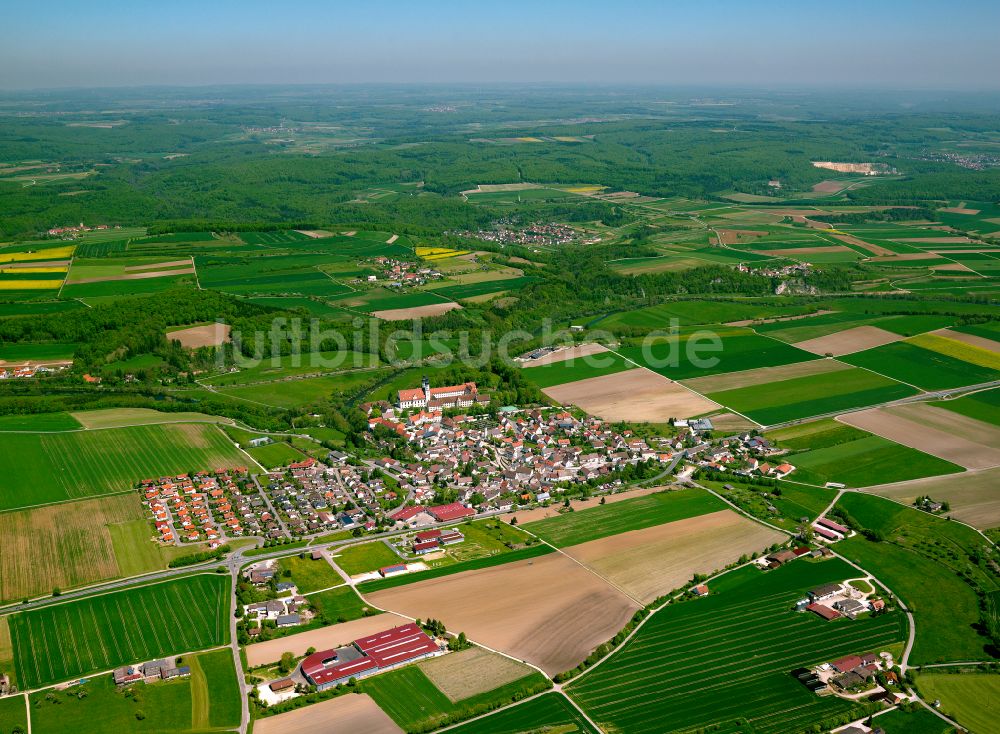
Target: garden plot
549,611
638,395
942,433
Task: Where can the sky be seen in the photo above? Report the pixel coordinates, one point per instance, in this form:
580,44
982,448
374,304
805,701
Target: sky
911,44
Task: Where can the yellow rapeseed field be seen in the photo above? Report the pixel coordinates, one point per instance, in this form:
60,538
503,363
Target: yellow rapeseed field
29,285
52,253
49,269
585,189
957,350
438,253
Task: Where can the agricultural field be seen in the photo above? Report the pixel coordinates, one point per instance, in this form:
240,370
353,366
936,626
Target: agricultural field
848,341
275,455
297,393
180,706
547,610
601,521
916,721
920,561
724,660
971,699
964,441
813,395
736,349
14,713
76,543
70,639
692,312
471,671
980,406
39,422
551,712
36,353
973,499
581,368
283,366
649,563
636,395
415,703
53,467
339,604
840,453
309,575
931,363
356,713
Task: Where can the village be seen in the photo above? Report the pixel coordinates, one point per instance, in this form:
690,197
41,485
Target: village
506,231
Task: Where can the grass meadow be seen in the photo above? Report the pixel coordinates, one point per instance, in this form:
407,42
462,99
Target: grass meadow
45,468
358,559
600,521
309,575
920,560
724,660
207,701
972,699
71,639
340,604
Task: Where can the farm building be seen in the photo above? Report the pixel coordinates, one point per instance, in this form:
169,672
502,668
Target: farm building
394,570
453,511
823,611
835,527
368,655
824,533
824,592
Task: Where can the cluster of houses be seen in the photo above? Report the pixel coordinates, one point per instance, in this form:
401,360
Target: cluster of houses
747,455
30,370
69,232
518,457
852,675
508,232
312,497
398,273
206,506
832,601
288,609
154,670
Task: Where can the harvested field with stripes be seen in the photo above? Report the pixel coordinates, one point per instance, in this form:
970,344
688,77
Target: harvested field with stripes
65,641
728,657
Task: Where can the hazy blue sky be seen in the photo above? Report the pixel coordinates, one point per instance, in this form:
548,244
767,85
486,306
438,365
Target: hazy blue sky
914,43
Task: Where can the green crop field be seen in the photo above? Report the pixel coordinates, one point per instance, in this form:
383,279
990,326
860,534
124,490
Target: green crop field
867,461
309,575
582,368
67,640
971,699
727,657
283,366
43,468
697,312
416,704
803,397
39,422
470,290
600,521
38,309
548,713
275,455
737,350
981,406
38,352
921,367
215,692
920,560
357,559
